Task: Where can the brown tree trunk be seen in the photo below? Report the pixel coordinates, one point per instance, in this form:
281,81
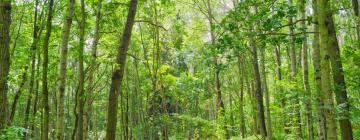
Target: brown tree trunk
5,20
258,89
45,93
118,74
338,78
267,96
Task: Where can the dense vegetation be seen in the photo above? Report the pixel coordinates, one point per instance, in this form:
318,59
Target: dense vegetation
179,69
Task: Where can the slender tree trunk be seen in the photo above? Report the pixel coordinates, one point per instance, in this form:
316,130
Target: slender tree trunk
80,99
17,95
219,103
63,67
118,74
5,20
305,67
321,128
267,96
242,115
45,93
355,4
258,89
325,71
338,77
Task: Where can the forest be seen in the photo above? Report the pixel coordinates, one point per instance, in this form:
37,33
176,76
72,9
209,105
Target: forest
179,69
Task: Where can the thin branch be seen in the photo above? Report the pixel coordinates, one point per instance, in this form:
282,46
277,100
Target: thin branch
151,23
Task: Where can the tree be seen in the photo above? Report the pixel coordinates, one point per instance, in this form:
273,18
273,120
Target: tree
80,99
5,21
328,96
118,74
63,67
305,67
45,92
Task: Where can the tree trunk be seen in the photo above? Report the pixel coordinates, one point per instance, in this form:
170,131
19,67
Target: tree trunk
80,99
219,103
17,95
5,20
267,96
355,4
325,71
241,110
45,93
258,89
118,74
338,77
63,67
321,128
305,67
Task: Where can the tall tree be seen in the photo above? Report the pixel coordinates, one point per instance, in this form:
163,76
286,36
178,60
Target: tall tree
63,67
355,5
118,74
5,21
321,129
45,92
80,99
258,89
325,70
338,75
305,68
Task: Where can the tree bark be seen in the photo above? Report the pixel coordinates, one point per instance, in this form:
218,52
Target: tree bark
45,92
80,99
338,78
258,89
325,71
63,67
321,128
267,96
118,74
5,21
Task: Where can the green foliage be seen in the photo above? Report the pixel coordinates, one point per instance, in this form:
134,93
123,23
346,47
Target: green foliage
13,133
